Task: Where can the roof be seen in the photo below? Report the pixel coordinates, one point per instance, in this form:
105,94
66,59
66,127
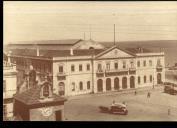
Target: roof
55,53
32,96
49,42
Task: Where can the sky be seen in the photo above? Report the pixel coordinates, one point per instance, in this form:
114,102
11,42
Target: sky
44,20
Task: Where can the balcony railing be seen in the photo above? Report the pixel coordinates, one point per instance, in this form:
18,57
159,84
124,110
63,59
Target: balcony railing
114,72
159,68
61,76
100,73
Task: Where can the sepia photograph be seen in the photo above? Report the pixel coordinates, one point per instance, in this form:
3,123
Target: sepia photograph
90,61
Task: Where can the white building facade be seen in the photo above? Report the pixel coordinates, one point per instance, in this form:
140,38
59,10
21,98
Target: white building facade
111,70
85,67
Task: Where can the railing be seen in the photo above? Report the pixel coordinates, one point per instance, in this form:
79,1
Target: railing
132,68
61,74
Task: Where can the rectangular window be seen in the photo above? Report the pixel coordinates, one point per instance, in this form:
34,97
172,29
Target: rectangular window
144,63
139,80
132,64
108,66
72,68
80,67
138,63
150,62
73,86
60,69
124,64
99,67
4,85
88,67
4,112
116,65
88,85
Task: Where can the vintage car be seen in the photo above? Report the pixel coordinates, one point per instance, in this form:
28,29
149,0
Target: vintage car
171,89
116,108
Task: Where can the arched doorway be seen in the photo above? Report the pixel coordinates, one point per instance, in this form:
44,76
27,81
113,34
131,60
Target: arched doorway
159,78
132,82
100,85
116,83
108,84
61,89
124,82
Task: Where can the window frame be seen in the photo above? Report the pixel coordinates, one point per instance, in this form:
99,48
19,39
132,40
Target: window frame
80,67
80,85
88,67
88,85
72,68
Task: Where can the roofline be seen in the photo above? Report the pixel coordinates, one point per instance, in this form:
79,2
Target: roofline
111,48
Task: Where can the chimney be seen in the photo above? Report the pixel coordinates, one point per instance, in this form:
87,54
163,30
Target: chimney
37,51
71,51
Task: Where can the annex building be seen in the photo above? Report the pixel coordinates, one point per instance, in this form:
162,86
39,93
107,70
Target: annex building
77,67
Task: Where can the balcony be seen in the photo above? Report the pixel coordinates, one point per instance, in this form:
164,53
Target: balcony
132,70
115,72
159,68
100,73
61,76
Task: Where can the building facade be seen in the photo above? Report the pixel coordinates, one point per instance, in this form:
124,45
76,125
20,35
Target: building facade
89,67
9,88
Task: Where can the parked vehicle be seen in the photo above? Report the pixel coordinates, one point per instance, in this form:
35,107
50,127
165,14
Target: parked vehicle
171,89
117,108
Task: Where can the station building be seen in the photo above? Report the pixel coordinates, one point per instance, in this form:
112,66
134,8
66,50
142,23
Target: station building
77,67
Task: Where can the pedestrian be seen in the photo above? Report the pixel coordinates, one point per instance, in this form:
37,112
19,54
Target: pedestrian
113,102
148,95
135,92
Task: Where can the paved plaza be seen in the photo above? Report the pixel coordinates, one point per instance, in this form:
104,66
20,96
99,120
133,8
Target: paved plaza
141,108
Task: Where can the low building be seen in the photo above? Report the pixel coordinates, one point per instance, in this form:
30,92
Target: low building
9,88
90,67
38,103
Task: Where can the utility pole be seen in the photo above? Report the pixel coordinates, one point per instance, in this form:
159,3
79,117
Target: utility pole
114,36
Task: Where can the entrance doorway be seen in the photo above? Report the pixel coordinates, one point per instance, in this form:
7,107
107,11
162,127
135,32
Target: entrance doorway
58,115
132,82
116,83
124,82
100,85
108,84
159,78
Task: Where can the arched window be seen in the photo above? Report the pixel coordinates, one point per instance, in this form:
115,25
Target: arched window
144,79
150,78
46,91
81,86
139,80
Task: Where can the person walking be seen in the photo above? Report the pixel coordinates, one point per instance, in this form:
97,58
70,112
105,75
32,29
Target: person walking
148,95
135,92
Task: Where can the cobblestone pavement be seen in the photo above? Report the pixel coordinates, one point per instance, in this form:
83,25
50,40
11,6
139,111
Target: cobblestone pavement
141,108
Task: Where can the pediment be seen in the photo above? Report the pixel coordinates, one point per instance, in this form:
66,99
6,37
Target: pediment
115,52
87,44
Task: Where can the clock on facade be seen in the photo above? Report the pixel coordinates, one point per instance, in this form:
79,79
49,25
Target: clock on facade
47,111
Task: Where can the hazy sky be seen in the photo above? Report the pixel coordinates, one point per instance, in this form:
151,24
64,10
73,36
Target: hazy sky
25,21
